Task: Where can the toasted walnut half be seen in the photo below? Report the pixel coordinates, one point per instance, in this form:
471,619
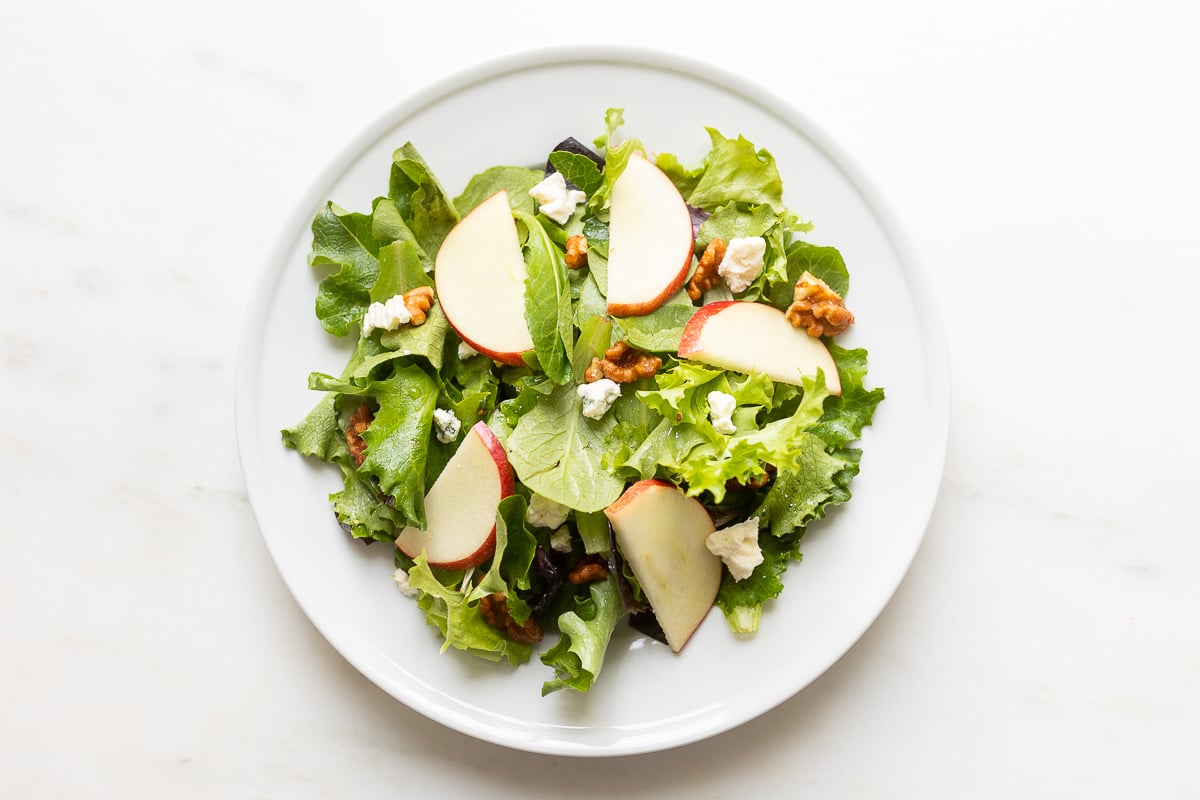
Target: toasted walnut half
622,364
706,275
418,302
588,569
494,608
360,420
577,251
817,308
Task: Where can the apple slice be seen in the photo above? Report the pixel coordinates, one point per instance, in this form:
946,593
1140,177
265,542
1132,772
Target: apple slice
460,509
745,336
661,532
480,279
650,240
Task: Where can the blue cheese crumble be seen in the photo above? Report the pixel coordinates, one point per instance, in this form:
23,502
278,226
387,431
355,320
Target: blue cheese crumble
598,397
555,200
445,425
743,262
545,513
737,546
720,411
386,316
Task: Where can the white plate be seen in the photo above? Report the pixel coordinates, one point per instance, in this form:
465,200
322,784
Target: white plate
646,699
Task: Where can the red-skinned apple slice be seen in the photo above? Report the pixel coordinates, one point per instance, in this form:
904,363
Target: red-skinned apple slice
661,533
744,336
650,240
480,279
460,508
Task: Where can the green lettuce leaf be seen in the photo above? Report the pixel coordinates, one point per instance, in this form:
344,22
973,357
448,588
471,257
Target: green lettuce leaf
423,204
742,601
319,435
734,171
661,329
517,181
557,452
825,263
461,623
509,570
578,655
548,310
684,178
343,240
578,169
846,416
400,271
615,159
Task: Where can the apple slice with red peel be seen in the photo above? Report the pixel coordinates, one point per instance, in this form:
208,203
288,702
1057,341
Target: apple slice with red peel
480,279
744,336
650,240
460,508
661,533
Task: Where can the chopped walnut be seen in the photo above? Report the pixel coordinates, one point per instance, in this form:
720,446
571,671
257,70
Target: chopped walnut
577,252
417,302
706,276
758,482
622,364
359,422
588,569
818,308
494,608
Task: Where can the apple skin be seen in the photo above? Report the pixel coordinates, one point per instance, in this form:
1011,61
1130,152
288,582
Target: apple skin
767,333
473,280
662,534
443,502
643,180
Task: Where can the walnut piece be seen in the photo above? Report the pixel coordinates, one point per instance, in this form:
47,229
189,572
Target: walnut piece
706,275
757,482
417,302
622,364
359,422
494,608
577,252
588,569
818,308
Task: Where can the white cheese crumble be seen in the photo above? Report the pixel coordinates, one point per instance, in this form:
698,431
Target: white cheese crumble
598,397
445,425
555,200
560,540
720,411
545,513
386,316
401,578
465,351
738,547
743,262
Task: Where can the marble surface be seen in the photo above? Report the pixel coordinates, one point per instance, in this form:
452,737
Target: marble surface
1043,159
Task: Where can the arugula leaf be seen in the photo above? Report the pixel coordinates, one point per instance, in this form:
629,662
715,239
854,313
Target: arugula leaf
548,310
344,240
578,655
398,438
461,623
735,172
578,169
420,199
517,181
557,452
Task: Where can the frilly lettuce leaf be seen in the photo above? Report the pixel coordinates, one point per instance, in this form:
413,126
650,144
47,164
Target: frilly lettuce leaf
734,171
420,199
509,571
344,240
578,655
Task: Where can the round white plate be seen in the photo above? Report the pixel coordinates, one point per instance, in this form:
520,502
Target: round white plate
511,112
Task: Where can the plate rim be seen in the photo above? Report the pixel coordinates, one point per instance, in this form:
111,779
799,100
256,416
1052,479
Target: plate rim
930,326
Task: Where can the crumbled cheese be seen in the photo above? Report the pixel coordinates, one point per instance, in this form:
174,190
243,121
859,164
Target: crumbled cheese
720,411
743,262
386,316
598,397
545,513
406,588
738,547
555,200
465,351
445,425
560,540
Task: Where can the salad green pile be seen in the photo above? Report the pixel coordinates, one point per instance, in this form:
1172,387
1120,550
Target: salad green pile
789,460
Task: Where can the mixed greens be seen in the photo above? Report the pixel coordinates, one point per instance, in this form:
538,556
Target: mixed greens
788,459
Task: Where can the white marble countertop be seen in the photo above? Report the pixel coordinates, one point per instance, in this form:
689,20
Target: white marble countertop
1043,158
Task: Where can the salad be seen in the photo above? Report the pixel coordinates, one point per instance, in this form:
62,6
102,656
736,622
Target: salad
603,392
